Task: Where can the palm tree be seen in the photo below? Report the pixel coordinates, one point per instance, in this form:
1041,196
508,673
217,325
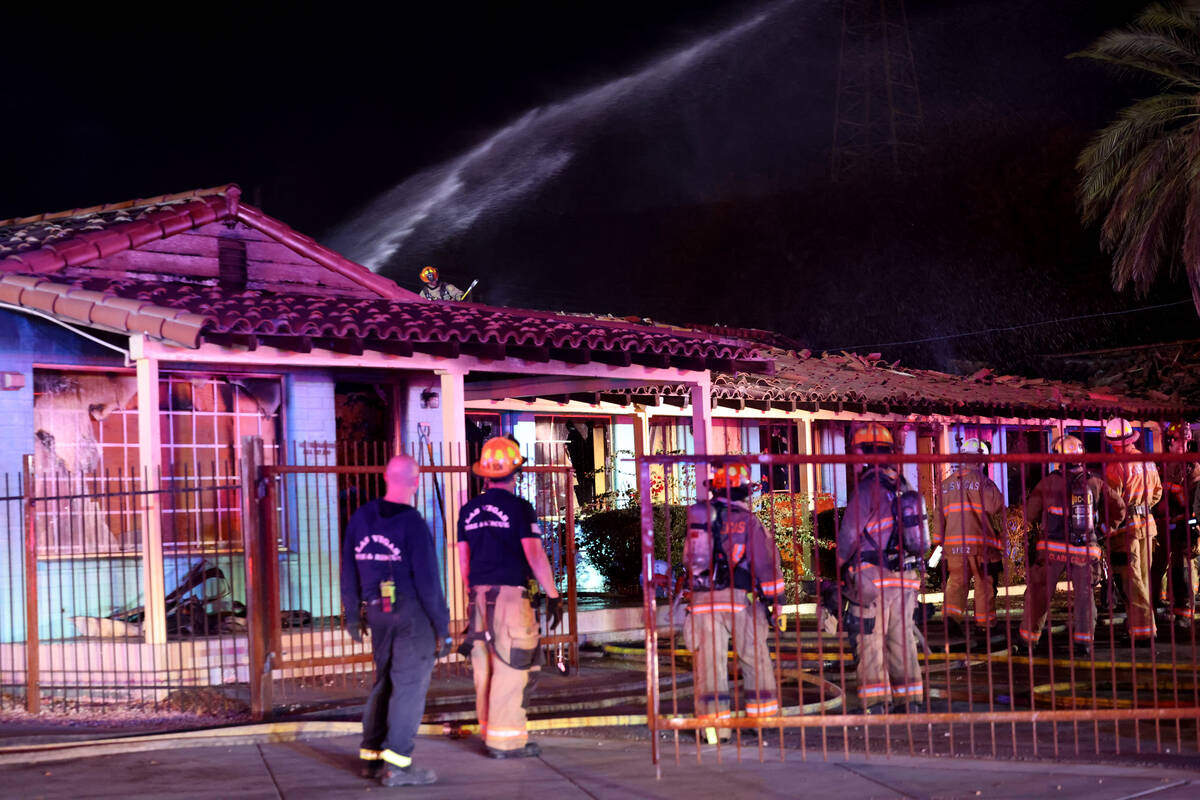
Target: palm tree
1141,174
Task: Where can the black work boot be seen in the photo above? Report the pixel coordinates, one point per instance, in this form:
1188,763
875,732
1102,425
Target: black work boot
407,776
530,750
371,768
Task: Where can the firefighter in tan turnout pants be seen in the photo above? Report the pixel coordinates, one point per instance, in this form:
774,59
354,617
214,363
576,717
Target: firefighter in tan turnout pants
969,535
1140,488
737,586
499,550
880,544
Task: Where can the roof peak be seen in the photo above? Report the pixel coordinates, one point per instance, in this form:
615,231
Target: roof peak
128,205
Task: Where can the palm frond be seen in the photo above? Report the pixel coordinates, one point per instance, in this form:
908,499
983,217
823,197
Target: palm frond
1106,161
1180,18
1139,225
1176,60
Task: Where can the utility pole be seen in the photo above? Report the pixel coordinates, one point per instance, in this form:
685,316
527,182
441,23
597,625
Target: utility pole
877,117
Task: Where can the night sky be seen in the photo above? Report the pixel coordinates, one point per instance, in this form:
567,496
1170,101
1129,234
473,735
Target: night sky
694,189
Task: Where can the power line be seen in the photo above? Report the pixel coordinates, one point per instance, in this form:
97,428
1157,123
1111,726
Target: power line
1011,327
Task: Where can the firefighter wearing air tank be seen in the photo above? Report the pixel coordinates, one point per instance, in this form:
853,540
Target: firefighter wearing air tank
970,537
1174,551
499,551
1066,510
1138,484
737,588
881,543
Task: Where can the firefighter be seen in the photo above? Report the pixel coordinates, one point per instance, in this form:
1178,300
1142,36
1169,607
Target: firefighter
1174,551
1065,510
737,588
880,546
389,564
500,551
970,536
1140,488
435,289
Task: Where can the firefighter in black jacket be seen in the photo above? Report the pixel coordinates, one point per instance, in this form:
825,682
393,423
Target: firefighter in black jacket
389,564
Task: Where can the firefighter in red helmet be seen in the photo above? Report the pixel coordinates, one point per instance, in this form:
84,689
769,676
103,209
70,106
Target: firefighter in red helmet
1140,488
436,289
499,551
736,580
881,542
1174,550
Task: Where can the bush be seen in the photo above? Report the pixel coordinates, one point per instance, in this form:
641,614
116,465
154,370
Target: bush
612,541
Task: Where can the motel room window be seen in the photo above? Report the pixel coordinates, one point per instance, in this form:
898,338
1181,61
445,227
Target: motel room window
86,437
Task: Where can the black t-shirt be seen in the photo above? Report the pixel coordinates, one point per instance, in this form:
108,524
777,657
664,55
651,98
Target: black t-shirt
494,524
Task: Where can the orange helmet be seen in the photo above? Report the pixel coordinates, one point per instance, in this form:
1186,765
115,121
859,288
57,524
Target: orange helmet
499,458
730,476
1119,431
872,433
429,275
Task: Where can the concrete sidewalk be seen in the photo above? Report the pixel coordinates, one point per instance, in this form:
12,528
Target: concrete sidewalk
573,767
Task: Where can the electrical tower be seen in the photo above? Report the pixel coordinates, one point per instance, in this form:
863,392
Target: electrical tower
877,117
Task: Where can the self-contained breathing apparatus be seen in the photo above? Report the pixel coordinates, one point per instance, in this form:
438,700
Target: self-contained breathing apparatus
708,565
909,537
1081,523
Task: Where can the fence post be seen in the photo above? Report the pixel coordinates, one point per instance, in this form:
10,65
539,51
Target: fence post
649,612
258,626
572,600
33,688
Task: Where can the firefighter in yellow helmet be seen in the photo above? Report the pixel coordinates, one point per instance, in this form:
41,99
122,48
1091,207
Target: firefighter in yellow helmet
1140,488
499,550
971,509
435,289
1174,550
880,555
736,581
1066,510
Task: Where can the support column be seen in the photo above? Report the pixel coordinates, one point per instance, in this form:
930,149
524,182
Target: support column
454,442
154,625
702,434
808,477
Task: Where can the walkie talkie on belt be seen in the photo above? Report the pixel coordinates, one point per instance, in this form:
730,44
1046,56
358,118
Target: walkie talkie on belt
387,595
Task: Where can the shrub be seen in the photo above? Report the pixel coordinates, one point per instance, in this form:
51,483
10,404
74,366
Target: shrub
612,541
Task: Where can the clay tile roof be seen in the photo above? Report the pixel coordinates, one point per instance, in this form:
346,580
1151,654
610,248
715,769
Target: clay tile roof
47,243
190,315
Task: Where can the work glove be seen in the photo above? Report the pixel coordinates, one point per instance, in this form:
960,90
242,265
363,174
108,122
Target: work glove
554,612
443,648
357,629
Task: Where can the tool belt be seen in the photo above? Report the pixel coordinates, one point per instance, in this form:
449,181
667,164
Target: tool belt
485,635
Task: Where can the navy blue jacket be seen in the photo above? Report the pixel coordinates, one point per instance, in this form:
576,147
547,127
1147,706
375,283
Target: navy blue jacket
397,547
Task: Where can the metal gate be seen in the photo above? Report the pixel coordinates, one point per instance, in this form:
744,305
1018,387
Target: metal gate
303,655
983,690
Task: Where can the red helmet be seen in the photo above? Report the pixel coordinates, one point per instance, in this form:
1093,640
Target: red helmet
429,275
1178,431
499,458
730,476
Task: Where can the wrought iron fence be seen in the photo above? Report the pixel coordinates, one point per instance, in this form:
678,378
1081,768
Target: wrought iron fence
883,648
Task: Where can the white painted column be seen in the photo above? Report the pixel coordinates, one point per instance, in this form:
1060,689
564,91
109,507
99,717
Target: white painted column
454,442
702,414
154,625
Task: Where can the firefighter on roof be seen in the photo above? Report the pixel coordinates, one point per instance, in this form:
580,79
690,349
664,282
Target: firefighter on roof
499,550
880,547
737,588
435,289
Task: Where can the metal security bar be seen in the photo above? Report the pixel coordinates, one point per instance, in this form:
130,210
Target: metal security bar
308,501
1015,666
75,635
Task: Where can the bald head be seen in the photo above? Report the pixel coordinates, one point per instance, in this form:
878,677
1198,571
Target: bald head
402,476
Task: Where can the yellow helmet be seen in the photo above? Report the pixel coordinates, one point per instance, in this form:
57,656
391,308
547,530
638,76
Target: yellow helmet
499,458
429,275
730,476
872,433
974,445
1119,431
1070,445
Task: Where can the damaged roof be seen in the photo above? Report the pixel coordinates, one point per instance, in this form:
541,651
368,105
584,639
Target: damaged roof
35,250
